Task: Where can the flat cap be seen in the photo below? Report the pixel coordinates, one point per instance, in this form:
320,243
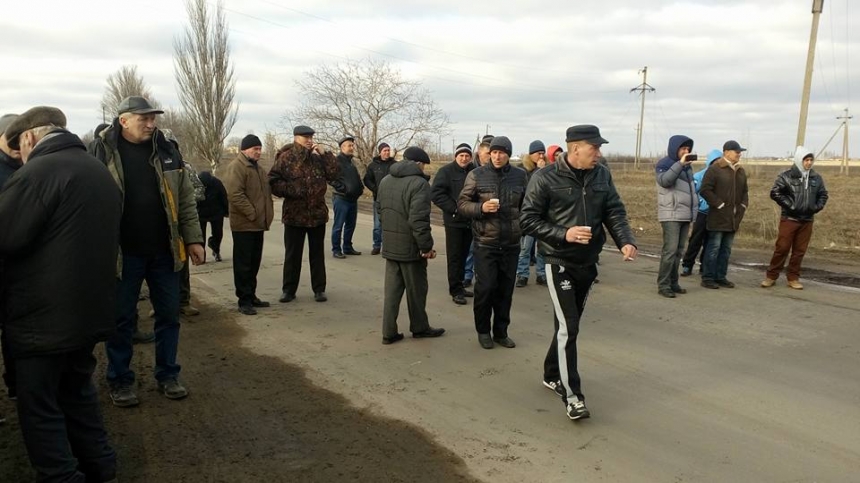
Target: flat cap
5,120
585,132
303,131
34,117
137,105
345,139
414,153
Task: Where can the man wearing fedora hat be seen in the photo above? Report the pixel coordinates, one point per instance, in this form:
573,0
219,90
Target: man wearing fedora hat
347,189
60,202
159,232
569,208
299,176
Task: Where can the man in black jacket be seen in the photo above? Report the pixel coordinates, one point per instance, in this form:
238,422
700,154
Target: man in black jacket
800,193
10,161
60,215
212,210
447,186
492,196
404,207
347,190
566,208
376,170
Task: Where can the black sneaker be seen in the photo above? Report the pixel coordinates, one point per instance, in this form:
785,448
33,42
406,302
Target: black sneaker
260,303
247,310
556,387
522,281
505,342
686,271
459,299
468,293
339,255
709,284
577,410
679,289
124,397
725,283
287,297
431,332
218,257
320,297
394,338
351,252
486,341
172,389
541,280
669,294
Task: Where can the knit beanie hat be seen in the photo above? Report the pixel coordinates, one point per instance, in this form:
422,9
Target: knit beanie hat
463,148
250,141
536,147
501,143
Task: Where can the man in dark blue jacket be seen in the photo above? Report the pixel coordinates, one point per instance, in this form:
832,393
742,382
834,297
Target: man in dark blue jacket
566,208
61,218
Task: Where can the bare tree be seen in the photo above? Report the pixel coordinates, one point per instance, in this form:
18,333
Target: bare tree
272,141
369,100
121,84
205,78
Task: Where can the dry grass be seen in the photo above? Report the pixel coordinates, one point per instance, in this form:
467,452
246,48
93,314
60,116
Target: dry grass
837,228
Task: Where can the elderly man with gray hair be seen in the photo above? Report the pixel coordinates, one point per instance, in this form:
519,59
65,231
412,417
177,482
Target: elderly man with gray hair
60,214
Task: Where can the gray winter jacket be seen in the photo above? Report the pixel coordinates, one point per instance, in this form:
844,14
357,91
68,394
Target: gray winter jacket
676,194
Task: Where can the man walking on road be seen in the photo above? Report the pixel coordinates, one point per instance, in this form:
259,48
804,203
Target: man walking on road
347,190
800,193
377,170
300,175
492,196
60,215
447,186
404,209
159,230
677,203
251,215
566,208
724,187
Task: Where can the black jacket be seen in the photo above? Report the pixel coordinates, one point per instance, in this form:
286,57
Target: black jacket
508,184
348,184
215,204
557,200
8,166
60,216
376,170
447,185
404,213
797,201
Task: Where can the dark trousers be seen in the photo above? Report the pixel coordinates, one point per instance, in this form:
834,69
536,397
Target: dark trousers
410,277
696,245
674,238
345,216
60,417
247,254
163,285
568,289
185,285
9,375
214,241
495,276
457,243
793,237
294,247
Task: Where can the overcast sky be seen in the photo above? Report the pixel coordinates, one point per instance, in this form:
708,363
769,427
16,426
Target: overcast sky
723,69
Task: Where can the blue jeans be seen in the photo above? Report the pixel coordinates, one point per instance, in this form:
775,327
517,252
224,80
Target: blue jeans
469,273
526,244
377,227
718,251
345,215
163,285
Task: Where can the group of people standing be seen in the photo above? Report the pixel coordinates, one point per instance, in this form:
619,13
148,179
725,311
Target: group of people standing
714,200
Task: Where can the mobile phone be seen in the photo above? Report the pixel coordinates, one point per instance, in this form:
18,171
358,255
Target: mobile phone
692,157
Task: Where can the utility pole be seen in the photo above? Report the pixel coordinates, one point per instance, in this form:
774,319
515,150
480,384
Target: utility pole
843,168
487,132
817,6
643,87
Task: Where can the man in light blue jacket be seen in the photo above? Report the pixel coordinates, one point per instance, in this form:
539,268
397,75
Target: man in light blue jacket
677,203
699,234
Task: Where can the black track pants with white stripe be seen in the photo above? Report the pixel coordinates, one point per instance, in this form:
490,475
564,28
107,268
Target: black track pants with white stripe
568,288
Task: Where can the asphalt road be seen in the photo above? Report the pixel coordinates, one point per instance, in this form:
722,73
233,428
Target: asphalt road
748,384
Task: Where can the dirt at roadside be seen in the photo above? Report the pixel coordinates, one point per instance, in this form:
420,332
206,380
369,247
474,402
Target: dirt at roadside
248,418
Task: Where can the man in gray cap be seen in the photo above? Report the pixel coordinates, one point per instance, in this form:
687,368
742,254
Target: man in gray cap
299,176
153,246
491,197
570,237
10,161
347,189
61,202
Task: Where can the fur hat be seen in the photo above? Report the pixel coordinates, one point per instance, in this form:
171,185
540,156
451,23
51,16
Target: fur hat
34,117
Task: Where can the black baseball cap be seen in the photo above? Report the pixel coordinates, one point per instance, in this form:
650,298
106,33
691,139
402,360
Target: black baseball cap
137,105
733,146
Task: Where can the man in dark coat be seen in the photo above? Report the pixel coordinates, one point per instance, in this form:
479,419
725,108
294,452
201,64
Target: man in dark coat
10,161
571,235
347,190
404,207
447,186
376,170
724,187
299,176
800,194
212,210
492,196
60,215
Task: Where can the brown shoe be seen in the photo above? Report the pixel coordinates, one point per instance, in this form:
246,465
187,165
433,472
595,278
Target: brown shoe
795,285
768,282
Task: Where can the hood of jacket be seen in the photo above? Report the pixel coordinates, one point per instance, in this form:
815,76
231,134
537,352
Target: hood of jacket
714,155
56,140
675,143
407,168
800,153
